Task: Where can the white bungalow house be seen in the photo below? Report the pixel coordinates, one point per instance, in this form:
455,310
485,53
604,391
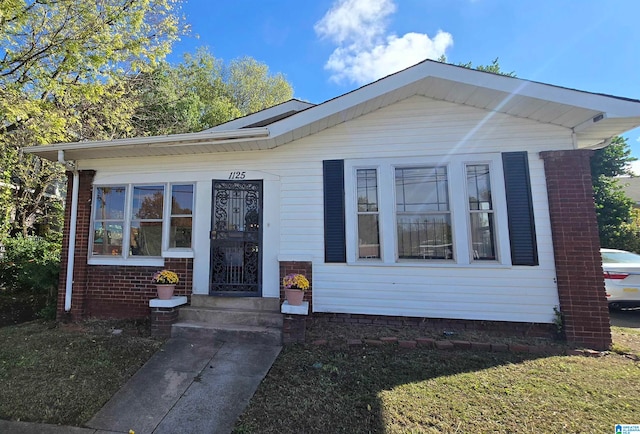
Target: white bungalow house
438,192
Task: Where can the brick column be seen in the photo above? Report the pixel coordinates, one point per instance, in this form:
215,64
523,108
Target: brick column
577,248
81,246
161,320
294,326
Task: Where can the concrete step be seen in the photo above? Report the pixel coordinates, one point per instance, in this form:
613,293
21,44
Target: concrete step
227,333
220,315
254,303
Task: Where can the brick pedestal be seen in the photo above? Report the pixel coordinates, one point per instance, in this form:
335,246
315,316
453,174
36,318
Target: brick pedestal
294,329
163,314
161,320
577,248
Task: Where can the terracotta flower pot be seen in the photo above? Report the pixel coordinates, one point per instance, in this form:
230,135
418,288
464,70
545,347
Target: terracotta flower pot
294,296
165,292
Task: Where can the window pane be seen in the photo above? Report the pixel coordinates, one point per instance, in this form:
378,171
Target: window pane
147,202
367,190
482,239
425,236
369,243
180,232
146,238
107,238
479,187
182,199
422,189
109,203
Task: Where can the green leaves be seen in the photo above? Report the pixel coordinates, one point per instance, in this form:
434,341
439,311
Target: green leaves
62,79
202,92
616,223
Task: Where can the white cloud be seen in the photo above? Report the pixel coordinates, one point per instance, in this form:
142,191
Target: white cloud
365,49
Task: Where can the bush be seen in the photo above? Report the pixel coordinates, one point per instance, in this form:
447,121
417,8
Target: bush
625,236
30,264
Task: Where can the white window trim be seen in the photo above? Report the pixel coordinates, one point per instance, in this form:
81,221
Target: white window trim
414,164
177,252
492,182
379,213
125,258
458,204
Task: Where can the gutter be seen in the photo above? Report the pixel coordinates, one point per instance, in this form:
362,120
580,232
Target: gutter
72,230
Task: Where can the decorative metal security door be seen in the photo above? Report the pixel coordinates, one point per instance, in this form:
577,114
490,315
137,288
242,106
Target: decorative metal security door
236,238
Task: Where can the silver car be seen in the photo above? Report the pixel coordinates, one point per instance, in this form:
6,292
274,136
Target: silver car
621,278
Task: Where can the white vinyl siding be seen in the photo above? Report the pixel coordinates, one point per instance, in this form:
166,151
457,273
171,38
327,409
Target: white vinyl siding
293,225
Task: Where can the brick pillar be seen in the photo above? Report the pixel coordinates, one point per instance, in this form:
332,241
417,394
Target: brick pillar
294,329
297,267
577,248
161,320
81,246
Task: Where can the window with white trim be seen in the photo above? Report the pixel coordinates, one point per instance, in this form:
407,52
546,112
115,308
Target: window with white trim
441,211
423,217
481,213
141,220
180,229
368,213
108,220
145,238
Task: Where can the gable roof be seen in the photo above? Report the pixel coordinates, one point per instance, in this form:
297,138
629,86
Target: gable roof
594,118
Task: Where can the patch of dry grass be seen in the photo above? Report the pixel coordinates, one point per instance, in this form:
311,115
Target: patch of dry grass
63,374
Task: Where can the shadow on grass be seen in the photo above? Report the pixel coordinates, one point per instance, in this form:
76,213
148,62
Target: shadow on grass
322,389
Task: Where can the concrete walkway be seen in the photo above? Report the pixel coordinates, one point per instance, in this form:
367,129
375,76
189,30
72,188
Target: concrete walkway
188,386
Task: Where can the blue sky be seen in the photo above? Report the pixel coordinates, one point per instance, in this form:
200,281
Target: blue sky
328,47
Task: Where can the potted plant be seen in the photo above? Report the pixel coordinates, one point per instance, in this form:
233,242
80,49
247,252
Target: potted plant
165,282
294,287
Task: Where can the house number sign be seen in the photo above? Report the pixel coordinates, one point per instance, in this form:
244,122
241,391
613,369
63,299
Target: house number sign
237,175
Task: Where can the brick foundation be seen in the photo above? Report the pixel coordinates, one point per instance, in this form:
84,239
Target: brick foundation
298,267
498,328
124,291
577,248
161,320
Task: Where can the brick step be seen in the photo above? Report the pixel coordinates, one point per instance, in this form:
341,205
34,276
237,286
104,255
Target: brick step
227,333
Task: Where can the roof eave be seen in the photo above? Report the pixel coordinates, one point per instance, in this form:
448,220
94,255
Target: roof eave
179,142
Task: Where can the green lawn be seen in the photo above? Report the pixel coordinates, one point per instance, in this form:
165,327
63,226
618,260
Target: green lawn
341,389
63,375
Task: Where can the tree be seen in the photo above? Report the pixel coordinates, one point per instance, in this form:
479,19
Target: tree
494,67
63,65
614,209
201,92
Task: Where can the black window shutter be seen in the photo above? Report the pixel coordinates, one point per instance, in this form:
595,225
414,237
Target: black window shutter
334,225
522,228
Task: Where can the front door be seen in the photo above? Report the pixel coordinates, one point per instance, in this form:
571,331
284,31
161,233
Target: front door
236,238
